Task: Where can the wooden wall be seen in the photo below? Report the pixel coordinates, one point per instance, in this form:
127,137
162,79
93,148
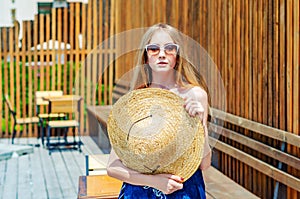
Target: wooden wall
255,45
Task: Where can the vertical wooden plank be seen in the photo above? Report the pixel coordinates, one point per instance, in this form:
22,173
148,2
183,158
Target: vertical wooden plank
282,65
15,60
230,69
246,77
254,77
95,43
53,51
88,62
118,30
41,57
183,16
275,58
100,55
242,59
22,90
6,75
268,75
296,80
77,58
296,64
66,52
59,51
224,61
30,83
83,66
264,81
106,54
71,38
77,55
260,92
216,46
47,65
239,79
282,70
111,54
148,8
35,56
290,77
12,70
251,74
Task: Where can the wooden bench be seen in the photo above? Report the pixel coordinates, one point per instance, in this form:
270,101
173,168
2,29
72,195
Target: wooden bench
97,117
98,186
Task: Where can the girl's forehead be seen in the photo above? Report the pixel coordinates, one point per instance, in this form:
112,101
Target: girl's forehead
161,37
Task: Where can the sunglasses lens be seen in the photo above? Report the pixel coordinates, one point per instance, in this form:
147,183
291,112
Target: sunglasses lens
153,49
171,49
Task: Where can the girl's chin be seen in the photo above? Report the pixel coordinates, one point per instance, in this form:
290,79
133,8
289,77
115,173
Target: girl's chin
162,69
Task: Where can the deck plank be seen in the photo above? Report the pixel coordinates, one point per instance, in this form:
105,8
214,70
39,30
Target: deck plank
24,178
3,167
11,179
56,176
39,189
52,183
73,170
64,180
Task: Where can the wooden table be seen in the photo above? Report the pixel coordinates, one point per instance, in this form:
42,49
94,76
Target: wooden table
98,186
63,97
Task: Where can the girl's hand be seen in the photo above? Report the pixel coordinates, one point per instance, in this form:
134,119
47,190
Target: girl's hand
167,183
194,107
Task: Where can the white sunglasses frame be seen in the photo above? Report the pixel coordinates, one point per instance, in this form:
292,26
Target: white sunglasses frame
163,48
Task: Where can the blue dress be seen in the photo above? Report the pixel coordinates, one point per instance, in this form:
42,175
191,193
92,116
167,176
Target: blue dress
193,188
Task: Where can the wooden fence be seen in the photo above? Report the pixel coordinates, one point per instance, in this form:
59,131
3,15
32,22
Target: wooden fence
255,45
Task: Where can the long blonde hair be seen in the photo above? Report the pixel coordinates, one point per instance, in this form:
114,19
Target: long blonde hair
186,74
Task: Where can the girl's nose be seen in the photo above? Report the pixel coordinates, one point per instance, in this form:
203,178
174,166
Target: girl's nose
161,53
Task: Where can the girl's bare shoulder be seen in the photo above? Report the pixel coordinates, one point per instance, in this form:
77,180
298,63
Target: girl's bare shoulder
197,93
194,92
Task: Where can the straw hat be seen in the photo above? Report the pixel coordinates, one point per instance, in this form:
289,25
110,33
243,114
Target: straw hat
151,132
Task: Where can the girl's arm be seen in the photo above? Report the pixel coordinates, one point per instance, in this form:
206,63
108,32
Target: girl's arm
196,104
166,183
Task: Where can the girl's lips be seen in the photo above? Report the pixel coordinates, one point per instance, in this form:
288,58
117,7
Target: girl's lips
162,63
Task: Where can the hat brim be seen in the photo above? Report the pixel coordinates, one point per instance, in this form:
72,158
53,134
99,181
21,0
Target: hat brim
177,146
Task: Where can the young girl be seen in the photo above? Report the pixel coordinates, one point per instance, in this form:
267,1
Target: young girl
162,55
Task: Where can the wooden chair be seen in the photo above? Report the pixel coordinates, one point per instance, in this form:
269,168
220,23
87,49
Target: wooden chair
66,105
17,120
40,103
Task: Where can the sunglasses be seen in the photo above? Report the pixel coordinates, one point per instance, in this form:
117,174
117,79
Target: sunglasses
169,49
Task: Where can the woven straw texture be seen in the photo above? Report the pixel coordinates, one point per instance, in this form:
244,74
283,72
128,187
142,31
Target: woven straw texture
151,132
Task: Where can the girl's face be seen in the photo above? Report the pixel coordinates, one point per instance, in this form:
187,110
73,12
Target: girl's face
164,59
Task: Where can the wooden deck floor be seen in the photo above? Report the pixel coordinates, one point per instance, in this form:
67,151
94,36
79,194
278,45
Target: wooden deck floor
40,176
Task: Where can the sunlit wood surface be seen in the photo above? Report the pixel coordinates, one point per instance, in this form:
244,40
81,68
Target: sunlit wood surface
43,176
38,175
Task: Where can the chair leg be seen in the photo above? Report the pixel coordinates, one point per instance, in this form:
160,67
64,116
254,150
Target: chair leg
48,137
79,140
65,131
42,134
14,133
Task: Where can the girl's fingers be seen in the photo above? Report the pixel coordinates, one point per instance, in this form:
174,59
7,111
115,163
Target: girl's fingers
177,178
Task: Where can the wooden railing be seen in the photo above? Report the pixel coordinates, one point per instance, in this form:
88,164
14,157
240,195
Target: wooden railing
240,153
